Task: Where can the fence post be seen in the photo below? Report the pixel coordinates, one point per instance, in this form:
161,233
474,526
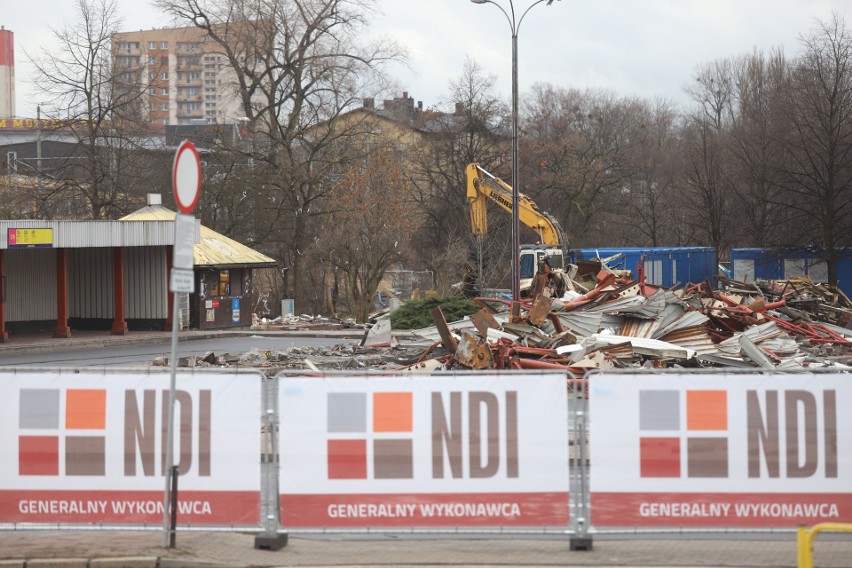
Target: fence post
270,538
580,539
174,506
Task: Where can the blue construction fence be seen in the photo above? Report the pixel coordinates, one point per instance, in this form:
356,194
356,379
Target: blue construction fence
664,266
749,264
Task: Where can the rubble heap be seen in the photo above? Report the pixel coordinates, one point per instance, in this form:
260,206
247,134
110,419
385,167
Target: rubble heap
601,320
608,321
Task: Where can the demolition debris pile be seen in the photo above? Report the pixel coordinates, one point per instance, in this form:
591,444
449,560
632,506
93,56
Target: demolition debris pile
608,321
604,320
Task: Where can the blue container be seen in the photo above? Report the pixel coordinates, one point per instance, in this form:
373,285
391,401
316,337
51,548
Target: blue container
664,266
750,264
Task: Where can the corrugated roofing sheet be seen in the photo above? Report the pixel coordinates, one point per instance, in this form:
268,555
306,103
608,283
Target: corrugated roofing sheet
214,249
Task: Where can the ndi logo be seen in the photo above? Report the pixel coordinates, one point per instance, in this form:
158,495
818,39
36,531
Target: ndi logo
82,428
64,432
387,436
472,435
702,436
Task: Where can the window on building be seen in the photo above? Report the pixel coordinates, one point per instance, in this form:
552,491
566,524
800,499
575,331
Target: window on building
164,106
164,45
224,283
164,60
152,76
124,45
164,91
165,76
152,60
12,161
152,45
165,121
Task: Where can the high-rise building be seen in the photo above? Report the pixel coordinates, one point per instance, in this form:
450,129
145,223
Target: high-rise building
183,72
7,73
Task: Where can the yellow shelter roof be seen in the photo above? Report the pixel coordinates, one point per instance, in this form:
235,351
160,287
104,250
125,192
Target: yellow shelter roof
214,249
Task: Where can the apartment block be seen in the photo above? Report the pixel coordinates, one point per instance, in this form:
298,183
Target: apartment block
183,72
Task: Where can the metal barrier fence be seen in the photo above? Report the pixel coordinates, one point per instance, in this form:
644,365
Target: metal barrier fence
476,452
85,448
726,450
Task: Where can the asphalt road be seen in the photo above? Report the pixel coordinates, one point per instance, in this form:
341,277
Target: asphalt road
134,355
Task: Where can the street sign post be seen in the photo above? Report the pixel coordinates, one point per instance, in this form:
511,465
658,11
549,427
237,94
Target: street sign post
186,184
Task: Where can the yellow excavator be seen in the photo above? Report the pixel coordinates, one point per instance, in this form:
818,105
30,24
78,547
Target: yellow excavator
552,240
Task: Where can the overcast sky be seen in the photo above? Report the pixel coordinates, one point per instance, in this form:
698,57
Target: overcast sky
646,48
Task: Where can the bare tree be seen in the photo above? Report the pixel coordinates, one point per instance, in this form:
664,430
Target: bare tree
474,131
576,156
96,97
819,151
370,230
707,162
650,207
757,133
297,67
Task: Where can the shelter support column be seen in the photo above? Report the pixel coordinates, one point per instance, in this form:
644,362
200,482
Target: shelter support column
119,323
4,336
167,325
62,329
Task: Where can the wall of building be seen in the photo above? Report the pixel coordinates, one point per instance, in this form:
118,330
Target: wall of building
186,75
222,299
31,293
145,277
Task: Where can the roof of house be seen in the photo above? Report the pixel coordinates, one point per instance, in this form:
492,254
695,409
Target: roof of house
214,249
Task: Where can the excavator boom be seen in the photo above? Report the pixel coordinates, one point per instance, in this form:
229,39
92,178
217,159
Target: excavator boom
482,186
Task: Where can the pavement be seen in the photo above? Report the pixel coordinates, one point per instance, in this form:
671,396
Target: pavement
143,548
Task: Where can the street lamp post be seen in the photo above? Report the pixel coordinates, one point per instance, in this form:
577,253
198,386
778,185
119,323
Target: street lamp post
516,184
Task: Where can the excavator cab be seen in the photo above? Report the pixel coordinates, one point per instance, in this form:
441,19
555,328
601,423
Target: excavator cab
530,257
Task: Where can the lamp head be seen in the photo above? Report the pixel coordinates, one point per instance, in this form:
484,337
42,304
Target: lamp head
482,1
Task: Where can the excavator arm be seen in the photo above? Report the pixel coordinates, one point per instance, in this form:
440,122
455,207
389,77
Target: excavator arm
482,186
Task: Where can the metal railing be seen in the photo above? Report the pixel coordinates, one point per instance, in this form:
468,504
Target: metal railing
806,536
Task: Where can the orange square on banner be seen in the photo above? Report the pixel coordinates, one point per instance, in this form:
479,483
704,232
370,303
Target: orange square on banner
85,409
392,412
706,410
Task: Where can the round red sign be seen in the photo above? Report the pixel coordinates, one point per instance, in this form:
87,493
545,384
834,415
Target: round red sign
186,177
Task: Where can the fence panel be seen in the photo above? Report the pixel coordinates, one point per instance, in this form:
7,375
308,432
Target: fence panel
408,451
713,450
88,448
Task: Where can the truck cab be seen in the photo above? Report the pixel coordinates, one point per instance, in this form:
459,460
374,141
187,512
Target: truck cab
532,254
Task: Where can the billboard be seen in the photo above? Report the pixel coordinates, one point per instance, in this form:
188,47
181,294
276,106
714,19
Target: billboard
89,448
720,450
424,451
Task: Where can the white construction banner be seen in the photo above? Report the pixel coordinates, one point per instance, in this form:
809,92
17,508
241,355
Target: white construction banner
720,450
424,451
89,447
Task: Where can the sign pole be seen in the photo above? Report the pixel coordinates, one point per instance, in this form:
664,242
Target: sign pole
186,184
169,428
